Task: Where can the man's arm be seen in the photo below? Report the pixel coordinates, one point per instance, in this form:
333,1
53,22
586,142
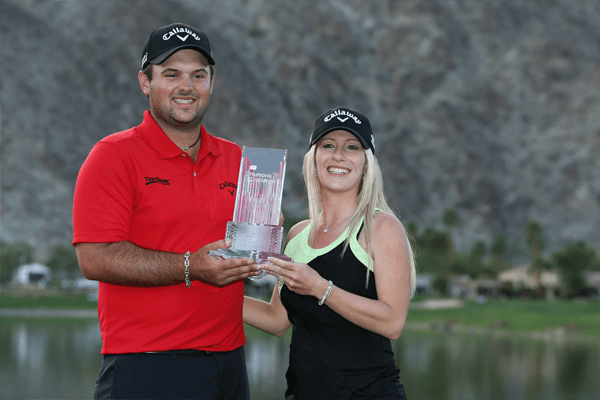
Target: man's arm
125,264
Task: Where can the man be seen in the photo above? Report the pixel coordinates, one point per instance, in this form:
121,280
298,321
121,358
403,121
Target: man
150,203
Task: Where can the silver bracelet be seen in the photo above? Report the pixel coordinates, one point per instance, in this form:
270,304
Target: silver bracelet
188,283
327,293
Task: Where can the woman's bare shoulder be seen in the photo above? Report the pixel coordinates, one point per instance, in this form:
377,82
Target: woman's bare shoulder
296,229
387,226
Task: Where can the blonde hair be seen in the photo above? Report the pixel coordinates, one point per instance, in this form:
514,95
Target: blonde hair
371,198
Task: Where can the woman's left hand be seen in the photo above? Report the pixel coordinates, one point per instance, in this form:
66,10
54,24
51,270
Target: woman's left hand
299,278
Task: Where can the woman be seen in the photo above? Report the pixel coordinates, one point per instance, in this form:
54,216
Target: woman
348,289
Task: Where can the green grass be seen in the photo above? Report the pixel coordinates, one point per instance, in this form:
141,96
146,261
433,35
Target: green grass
79,302
519,315
512,315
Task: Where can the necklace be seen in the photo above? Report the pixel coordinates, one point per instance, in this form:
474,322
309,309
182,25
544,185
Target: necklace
328,226
189,147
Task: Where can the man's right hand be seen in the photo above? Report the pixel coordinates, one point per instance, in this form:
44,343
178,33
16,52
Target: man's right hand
123,263
218,272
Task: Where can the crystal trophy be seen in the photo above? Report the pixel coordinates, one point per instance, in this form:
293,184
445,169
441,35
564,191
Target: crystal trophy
255,231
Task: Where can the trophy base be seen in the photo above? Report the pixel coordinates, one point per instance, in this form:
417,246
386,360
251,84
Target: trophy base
260,257
266,239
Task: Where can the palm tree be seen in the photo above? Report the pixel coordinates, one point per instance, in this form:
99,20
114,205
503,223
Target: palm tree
498,248
450,219
536,245
498,251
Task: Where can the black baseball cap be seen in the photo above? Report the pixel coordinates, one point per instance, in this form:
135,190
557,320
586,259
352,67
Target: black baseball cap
345,119
165,41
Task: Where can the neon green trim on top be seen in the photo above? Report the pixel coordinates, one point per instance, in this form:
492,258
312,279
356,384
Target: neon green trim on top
302,252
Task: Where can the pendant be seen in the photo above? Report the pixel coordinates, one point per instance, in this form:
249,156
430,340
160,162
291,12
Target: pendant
326,229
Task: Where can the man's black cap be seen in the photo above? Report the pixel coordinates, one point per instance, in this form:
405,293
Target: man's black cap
165,41
345,119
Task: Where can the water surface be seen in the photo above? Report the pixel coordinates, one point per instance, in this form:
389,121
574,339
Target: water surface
60,359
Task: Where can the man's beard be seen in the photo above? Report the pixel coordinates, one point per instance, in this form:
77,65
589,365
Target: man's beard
187,125
168,117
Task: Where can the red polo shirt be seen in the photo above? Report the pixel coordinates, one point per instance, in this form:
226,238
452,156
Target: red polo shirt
138,186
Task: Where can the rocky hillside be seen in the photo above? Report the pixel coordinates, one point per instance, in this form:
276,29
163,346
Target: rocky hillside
488,107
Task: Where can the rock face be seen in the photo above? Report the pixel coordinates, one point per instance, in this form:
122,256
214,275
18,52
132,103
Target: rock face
488,107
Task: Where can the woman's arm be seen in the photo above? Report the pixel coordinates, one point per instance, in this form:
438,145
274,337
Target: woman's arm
268,317
385,316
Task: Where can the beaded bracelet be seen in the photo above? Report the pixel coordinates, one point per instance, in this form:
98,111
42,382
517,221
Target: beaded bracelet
327,293
188,283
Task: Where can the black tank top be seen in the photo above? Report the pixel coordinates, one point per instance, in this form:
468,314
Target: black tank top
330,357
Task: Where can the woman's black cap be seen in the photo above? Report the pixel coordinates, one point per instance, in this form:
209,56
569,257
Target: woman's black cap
343,118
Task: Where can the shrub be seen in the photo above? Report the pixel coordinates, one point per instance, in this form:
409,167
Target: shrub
63,260
12,256
572,261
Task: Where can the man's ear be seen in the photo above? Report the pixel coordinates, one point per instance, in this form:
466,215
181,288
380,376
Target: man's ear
144,83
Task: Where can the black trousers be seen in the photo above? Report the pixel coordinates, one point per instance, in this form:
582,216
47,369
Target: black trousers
177,374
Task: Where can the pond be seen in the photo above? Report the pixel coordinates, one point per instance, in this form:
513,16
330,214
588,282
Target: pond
60,359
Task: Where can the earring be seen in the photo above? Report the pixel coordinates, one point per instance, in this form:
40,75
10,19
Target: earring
363,178
317,174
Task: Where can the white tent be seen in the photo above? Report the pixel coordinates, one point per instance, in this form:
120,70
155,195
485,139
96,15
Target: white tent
31,274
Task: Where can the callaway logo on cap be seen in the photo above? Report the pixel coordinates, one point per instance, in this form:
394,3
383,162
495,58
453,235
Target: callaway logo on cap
345,119
165,41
